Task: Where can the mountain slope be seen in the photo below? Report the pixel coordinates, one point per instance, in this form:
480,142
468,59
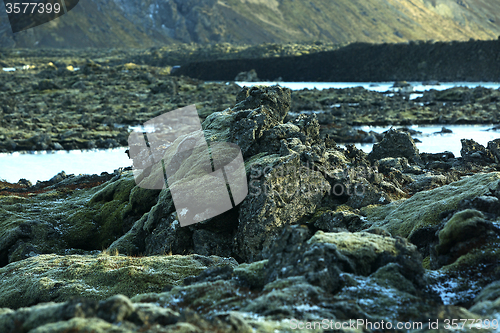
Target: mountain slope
147,23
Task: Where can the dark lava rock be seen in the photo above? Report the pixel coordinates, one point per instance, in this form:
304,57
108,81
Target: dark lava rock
494,148
444,130
474,152
442,161
395,144
323,257
275,98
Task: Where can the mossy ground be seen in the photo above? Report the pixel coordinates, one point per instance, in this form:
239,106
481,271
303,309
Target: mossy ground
59,278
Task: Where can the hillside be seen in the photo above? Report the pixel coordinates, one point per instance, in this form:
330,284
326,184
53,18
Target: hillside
147,23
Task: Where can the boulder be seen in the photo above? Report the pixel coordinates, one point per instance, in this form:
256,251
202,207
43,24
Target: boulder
368,252
281,192
464,225
474,152
395,144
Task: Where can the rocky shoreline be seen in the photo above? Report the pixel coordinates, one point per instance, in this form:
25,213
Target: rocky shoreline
57,100
324,233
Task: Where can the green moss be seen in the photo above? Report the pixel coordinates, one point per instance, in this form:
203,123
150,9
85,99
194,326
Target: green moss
458,228
343,208
402,218
476,260
253,272
317,214
100,221
87,219
59,278
358,244
426,263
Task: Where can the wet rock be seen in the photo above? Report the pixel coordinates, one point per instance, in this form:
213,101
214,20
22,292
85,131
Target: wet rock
395,144
444,130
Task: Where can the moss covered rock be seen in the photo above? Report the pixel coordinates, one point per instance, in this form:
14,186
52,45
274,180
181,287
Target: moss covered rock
462,226
76,214
404,217
51,277
367,251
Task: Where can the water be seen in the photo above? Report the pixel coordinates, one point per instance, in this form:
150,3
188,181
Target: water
418,87
437,143
44,165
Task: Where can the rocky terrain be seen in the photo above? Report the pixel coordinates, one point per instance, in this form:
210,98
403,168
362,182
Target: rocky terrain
324,233
56,99
148,23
